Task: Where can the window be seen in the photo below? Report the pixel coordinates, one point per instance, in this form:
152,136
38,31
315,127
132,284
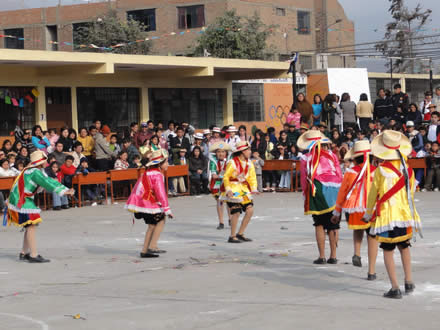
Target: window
52,36
202,107
17,42
281,12
306,61
303,22
191,17
116,107
248,102
10,114
144,16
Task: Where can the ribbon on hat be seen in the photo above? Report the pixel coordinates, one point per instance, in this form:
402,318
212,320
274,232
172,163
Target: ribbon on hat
363,179
313,162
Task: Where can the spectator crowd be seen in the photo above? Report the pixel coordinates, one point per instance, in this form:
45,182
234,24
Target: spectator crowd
96,149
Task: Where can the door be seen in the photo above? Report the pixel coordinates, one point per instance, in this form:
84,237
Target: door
58,107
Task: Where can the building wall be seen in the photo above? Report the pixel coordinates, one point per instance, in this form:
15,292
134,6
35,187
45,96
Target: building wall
284,41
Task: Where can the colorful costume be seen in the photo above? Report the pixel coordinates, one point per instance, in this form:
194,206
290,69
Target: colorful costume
149,199
217,167
240,178
22,210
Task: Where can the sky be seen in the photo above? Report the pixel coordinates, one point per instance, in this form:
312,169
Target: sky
360,12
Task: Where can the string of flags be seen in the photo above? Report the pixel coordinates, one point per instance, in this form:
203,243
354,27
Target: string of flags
18,96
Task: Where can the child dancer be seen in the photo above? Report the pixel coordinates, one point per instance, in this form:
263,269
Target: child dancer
217,168
22,210
390,206
320,180
240,183
149,201
352,200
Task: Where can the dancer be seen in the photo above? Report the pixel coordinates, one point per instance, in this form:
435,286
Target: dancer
240,182
22,210
352,200
217,168
390,206
149,201
320,180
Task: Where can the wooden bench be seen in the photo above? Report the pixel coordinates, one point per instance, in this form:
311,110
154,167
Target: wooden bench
418,163
284,165
175,171
7,182
91,178
130,174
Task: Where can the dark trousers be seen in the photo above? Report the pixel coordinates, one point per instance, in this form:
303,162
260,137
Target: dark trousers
430,177
364,123
102,165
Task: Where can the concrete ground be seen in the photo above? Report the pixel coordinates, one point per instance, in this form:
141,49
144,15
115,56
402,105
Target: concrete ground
203,282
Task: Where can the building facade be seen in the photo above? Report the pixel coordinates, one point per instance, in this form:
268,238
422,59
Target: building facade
174,25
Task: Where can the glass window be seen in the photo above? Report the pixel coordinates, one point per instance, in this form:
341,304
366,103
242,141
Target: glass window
201,107
281,12
191,17
116,107
303,22
11,115
144,16
306,61
248,102
17,42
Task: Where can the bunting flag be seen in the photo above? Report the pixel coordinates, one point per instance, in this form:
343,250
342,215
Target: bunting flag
17,96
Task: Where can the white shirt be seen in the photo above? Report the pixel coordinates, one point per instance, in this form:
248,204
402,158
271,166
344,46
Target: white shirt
232,141
424,108
432,133
12,171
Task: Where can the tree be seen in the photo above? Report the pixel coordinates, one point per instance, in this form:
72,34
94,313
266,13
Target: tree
234,36
109,31
400,33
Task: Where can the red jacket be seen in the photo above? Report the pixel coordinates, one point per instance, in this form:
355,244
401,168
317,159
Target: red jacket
67,170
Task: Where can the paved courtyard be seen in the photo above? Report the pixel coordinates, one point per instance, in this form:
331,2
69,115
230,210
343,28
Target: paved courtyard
203,282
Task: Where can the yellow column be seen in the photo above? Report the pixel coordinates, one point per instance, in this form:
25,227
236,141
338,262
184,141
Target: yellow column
145,105
403,83
40,108
74,108
228,106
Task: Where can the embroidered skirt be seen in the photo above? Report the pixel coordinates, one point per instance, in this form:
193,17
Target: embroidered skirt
24,219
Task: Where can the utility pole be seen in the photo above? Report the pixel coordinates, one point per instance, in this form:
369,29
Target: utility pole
292,70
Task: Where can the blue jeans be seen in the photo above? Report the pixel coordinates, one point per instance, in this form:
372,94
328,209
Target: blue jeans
59,200
285,179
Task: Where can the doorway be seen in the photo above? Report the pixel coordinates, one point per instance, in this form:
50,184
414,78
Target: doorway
58,107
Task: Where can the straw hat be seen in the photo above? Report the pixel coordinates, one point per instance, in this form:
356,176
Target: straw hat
219,146
307,138
206,132
242,146
37,158
232,129
304,126
386,144
157,157
198,136
359,149
216,130
322,124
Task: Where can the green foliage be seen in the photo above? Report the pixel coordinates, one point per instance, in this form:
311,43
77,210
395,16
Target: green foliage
109,31
400,33
234,36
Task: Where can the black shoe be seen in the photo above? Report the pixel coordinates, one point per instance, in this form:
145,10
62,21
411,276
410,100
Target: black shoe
221,226
153,251
393,294
356,260
242,238
371,277
409,287
37,259
148,255
57,208
65,207
233,240
320,261
23,257
332,261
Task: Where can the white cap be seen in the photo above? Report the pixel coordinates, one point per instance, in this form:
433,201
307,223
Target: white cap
216,129
206,132
232,129
409,123
198,136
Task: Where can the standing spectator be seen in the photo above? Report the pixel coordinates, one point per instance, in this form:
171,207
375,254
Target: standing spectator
414,136
400,99
59,202
233,138
25,137
87,142
305,109
103,153
258,165
39,140
338,113
364,111
122,163
189,131
180,142
216,136
77,153
145,133
269,177
170,131
431,108
178,183
130,149
65,140
113,145
134,128
348,111
72,136
292,134
383,107
98,124
294,117
59,155
242,134
433,164
317,109
414,115
436,98
424,105
328,111
198,168
259,144
434,128
281,152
